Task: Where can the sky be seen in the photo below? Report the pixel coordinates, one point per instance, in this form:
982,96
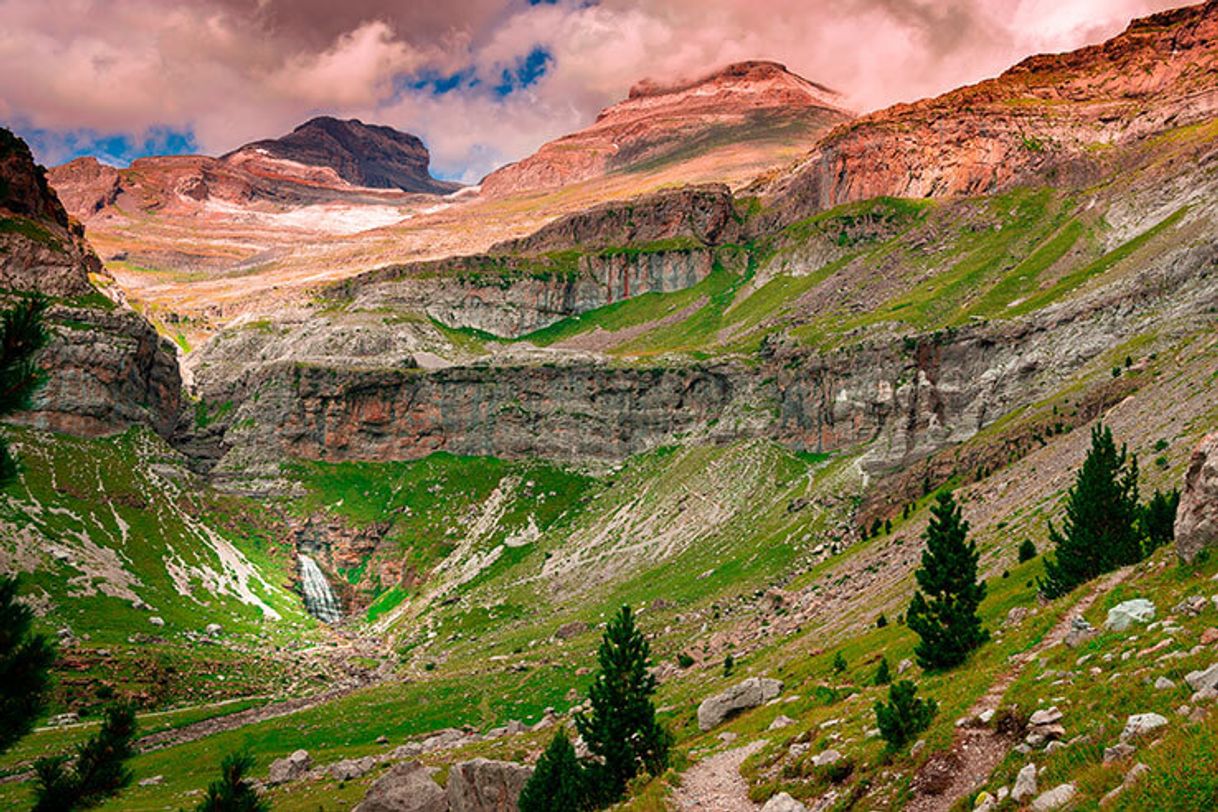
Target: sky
483,82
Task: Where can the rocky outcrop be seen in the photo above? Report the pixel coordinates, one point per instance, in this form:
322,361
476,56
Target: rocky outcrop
1050,117
482,785
1197,516
668,122
289,768
358,153
107,368
406,787
750,693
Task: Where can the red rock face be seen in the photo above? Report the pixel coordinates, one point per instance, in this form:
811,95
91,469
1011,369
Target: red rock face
1049,114
657,123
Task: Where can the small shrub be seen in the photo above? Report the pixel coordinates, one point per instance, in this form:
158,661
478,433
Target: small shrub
684,660
881,621
839,663
904,715
729,662
883,674
1027,551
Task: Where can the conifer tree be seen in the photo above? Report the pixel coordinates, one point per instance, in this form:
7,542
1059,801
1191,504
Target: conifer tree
558,780
1027,551
100,770
25,665
622,729
1158,520
1100,531
904,715
233,792
839,663
21,335
883,674
943,611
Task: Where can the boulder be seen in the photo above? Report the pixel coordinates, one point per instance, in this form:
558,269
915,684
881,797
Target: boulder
1140,724
1118,752
573,629
291,768
351,768
1124,615
482,785
1080,632
1025,784
1200,680
1055,798
826,758
750,693
1197,517
783,802
406,787
1015,616
781,721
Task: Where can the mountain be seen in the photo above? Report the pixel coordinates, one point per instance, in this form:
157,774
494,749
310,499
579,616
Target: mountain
657,124
730,406
360,154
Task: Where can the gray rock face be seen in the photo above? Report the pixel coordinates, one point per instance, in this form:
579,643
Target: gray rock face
290,768
1025,784
1140,724
486,786
750,693
406,787
1124,615
782,802
1197,516
351,768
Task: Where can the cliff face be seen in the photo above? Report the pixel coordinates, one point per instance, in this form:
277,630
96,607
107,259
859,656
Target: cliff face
658,123
1054,117
108,369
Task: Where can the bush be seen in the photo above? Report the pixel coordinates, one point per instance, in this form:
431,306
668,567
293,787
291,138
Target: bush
729,663
839,663
1027,551
904,715
684,660
233,792
883,674
881,622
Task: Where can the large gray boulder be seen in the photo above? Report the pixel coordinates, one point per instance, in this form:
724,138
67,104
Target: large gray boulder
1197,516
291,768
406,787
482,785
1124,615
1202,680
752,692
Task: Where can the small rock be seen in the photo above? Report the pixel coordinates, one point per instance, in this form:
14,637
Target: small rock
1046,717
1055,798
1164,684
826,758
573,629
1191,606
62,719
727,737
1126,614
382,740
1199,680
986,716
212,629
1025,784
154,781
1117,752
780,722
798,749
156,621
918,747
1015,616
904,665
1140,724
985,802
1209,637
783,802
1080,632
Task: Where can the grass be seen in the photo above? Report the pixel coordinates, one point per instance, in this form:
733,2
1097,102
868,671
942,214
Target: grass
31,230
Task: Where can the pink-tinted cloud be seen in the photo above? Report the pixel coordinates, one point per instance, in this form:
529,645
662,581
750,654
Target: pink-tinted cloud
236,70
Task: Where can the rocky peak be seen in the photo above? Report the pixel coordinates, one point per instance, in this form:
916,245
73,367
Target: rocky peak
666,123
361,154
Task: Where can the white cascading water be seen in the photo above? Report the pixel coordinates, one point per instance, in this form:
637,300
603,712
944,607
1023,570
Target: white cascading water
318,597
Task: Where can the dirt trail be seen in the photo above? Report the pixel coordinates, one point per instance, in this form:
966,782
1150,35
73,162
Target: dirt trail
715,784
981,749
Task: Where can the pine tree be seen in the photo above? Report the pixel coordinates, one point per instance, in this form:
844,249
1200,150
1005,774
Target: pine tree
558,780
1100,531
622,729
839,663
883,674
100,771
25,665
1158,520
904,716
1027,551
945,617
21,335
233,792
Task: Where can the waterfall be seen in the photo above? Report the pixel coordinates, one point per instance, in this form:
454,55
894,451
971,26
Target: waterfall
318,597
